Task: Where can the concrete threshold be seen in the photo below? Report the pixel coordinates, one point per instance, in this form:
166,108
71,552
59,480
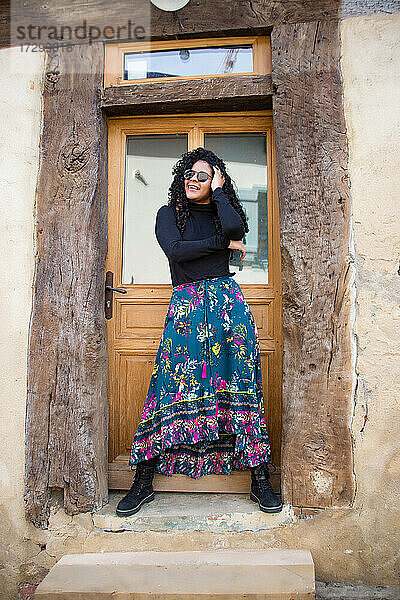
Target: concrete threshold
218,513
224,574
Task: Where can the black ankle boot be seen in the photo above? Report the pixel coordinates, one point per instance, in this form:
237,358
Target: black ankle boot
261,490
141,490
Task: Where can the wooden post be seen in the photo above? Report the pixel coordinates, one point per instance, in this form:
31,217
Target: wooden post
311,147
66,424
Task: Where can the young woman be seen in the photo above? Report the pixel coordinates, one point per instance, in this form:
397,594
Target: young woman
204,411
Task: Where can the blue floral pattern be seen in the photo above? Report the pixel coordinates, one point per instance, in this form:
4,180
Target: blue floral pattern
204,411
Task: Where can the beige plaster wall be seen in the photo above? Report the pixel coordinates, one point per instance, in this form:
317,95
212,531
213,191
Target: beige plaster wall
20,110
371,77
356,545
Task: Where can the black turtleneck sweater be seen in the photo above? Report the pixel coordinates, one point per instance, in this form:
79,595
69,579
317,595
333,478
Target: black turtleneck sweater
200,252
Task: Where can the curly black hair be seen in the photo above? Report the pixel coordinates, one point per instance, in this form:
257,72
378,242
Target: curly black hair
177,195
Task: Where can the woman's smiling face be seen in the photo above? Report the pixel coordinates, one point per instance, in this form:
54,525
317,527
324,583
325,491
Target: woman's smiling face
199,191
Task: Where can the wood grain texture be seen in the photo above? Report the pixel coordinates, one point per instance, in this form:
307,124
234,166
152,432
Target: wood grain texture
66,422
311,149
209,17
238,482
245,91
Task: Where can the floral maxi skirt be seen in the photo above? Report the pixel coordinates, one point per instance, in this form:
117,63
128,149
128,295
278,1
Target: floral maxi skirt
204,411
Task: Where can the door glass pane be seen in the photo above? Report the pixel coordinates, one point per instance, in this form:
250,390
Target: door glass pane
245,156
188,61
148,175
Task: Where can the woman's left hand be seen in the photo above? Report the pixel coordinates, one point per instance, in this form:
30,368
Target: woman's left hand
218,180
238,245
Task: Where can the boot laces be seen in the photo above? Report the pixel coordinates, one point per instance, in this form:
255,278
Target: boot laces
143,479
264,484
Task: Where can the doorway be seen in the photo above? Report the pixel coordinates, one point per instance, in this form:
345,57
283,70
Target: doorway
142,151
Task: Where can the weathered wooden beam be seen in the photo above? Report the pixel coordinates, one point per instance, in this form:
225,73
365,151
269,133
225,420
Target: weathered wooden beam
311,146
192,95
209,17
66,421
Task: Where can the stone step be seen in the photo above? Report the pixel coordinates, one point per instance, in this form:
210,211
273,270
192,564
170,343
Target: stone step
219,575
218,513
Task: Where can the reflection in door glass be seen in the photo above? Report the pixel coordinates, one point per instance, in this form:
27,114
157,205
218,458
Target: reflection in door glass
148,167
188,61
245,156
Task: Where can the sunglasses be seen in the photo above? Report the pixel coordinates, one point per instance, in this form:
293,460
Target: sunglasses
201,175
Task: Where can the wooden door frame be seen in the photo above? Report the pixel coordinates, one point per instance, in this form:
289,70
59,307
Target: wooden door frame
196,125
67,384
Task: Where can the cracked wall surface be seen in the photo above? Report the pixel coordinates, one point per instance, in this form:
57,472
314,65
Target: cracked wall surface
353,545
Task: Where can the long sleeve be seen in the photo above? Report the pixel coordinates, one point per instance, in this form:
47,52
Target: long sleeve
231,222
177,249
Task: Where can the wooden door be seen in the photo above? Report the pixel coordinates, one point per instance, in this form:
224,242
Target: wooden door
142,151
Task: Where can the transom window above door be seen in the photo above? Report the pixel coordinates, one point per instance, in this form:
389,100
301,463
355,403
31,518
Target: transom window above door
141,62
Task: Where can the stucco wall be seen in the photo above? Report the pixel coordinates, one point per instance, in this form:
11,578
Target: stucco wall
371,76
20,109
358,544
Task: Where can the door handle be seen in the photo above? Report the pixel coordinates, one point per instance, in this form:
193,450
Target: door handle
108,287
108,308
